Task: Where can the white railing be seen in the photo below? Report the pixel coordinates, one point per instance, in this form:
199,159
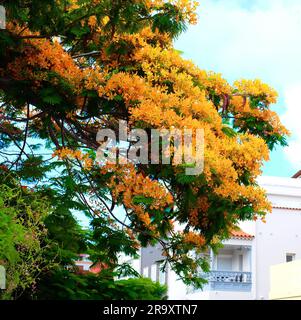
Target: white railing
225,281
228,276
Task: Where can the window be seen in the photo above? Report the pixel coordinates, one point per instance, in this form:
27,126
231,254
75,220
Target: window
290,257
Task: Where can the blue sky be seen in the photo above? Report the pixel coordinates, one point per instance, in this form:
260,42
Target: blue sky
255,39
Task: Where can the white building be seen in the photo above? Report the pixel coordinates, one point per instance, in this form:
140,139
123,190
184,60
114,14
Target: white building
241,269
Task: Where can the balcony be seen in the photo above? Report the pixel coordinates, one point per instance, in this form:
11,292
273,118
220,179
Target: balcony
228,280
230,270
231,281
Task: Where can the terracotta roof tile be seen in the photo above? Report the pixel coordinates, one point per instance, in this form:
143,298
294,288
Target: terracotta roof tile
241,234
297,175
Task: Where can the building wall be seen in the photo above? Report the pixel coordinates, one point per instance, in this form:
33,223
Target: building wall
83,263
285,281
177,290
149,256
281,233
220,295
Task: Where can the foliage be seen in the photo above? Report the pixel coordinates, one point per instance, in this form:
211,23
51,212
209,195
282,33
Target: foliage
64,285
38,247
72,67
22,238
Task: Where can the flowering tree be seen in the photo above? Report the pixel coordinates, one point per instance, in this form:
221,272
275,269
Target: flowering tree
70,68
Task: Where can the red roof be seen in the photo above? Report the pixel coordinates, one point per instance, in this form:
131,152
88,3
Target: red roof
95,269
241,235
297,175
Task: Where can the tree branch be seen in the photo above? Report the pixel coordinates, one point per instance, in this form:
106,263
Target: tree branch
92,53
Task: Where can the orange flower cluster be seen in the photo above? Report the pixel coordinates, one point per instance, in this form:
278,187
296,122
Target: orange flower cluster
73,5
131,87
66,153
41,56
194,217
94,79
256,88
127,185
197,216
193,238
92,22
152,104
203,204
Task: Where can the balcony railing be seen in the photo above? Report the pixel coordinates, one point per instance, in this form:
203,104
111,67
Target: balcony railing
228,276
226,281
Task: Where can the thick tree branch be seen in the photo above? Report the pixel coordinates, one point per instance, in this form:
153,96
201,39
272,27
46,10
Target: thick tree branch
25,135
92,53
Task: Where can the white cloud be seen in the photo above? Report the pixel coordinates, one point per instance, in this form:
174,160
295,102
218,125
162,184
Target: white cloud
261,42
291,119
253,39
